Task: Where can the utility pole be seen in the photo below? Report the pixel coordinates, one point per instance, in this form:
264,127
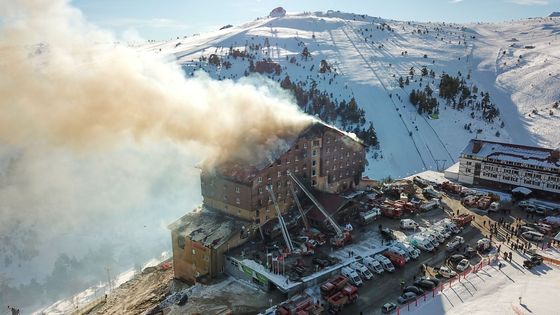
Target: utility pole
442,167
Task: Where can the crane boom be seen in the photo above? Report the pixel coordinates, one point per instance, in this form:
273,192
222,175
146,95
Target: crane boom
317,204
283,227
303,217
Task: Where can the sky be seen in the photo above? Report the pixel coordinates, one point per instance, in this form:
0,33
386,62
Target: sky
165,19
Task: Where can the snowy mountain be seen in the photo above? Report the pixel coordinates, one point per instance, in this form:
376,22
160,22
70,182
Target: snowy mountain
507,75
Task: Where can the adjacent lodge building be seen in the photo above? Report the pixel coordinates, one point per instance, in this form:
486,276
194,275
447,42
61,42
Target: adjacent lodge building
507,166
237,203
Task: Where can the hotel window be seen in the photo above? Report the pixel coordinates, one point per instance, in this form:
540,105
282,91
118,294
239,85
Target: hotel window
314,153
305,145
259,179
237,189
260,190
279,174
237,201
316,143
313,173
313,163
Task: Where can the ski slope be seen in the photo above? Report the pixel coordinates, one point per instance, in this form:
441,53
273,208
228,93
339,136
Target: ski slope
368,55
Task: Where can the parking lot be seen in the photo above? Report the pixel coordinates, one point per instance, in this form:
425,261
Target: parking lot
387,287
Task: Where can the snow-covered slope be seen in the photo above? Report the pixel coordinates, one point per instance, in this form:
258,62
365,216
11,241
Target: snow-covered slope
368,56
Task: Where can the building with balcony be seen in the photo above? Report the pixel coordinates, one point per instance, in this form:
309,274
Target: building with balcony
507,166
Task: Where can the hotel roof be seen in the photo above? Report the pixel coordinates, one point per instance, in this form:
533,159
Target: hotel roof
505,152
207,226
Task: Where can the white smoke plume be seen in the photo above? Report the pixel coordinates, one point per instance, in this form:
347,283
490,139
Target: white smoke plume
64,81
98,143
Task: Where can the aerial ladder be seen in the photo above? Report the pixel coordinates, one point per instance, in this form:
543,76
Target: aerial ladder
342,236
301,212
281,221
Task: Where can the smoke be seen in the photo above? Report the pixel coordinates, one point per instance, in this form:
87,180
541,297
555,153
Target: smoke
98,141
65,81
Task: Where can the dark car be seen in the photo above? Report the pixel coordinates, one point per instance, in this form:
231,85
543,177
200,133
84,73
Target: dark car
388,234
407,296
435,281
469,252
425,284
413,289
456,258
320,262
536,259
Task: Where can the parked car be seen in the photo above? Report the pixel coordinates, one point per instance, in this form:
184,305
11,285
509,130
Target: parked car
361,270
533,236
406,297
421,243
352,275
385,263
399,251
411,251
408,224
463,265
446,272
414,289
527,228
388,307
453,245
320,262
469,252
425,284
456,258
373,264
435,281
483,244
533,260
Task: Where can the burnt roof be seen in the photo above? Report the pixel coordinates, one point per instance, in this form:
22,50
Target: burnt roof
244,172
207,226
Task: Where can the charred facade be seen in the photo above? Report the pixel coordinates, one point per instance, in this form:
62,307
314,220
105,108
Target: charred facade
326,158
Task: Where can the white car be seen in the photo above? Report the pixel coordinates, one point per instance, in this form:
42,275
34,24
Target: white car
463,265
533,236
361,270
446,272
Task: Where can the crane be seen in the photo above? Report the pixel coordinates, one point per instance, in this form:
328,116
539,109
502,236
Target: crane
281,221
303,217
342,237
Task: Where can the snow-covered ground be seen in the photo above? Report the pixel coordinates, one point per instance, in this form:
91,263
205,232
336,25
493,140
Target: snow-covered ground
369,56
511,290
